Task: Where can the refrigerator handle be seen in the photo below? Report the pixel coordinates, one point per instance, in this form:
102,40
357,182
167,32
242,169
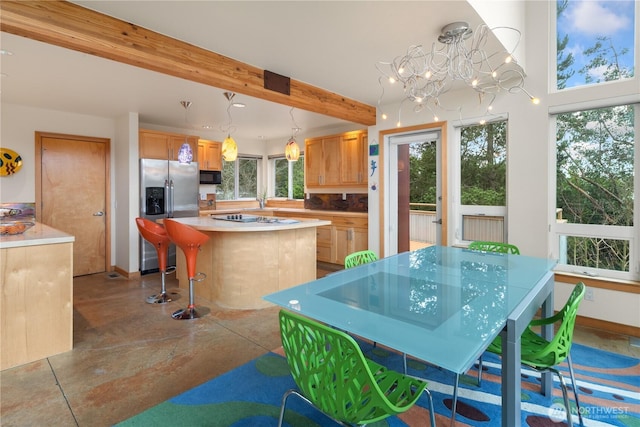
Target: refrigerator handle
171,198
167,212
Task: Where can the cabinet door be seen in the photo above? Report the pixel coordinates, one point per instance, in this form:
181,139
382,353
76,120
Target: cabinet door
343,243
214,156
313,162
153,145
350,240
209,155
331,154
353,170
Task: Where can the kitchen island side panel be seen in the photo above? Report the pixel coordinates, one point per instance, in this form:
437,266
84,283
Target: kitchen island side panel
243,267
36,302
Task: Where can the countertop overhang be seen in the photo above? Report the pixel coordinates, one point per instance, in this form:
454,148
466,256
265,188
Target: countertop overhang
274,211
39,234
206,223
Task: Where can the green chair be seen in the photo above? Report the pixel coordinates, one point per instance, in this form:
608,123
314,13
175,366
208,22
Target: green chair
543,355
359,258
503,248
333,375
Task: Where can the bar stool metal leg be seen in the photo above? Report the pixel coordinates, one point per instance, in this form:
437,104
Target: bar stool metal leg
163,297
190,312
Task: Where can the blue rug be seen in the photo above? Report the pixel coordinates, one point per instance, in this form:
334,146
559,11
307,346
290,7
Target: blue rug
609,392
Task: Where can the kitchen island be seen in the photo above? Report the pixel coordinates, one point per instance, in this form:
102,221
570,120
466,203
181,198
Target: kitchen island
249,257
36,295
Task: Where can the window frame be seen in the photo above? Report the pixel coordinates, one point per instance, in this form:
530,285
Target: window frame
236,176
272,174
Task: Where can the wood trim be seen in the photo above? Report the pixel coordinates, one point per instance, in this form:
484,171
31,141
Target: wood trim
609,284
107,170
604,325
381,168
74,27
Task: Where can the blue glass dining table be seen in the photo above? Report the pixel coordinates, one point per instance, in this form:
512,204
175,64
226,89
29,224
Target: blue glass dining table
442,305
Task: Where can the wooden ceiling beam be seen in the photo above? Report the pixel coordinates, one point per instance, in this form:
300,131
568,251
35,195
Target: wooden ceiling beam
77,28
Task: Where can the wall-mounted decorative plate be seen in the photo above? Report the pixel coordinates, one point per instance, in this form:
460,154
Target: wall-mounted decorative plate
10,162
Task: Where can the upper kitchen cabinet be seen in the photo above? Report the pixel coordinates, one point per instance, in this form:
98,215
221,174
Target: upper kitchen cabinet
336,160
353,148
164,145
210,155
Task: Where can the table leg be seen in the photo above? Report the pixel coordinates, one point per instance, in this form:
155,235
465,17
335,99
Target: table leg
511,384
547,333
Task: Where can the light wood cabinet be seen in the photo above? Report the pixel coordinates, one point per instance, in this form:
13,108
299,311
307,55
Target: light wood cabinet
353,150
164,145
347,233
322,162
210,155
336,161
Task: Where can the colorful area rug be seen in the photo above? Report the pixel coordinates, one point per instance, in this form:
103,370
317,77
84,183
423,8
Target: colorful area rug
609,392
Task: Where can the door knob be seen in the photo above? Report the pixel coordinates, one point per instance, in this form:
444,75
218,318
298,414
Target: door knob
98,213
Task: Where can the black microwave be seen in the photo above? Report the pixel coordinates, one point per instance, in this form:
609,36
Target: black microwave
210,177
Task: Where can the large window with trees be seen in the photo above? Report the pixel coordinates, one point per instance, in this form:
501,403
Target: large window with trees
595,222
483,181
239,179
595,152
288,176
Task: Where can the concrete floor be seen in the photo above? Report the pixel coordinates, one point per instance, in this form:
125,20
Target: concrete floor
129,355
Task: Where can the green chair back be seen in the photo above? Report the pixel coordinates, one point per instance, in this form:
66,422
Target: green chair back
331,372
503,248
542,354
359,258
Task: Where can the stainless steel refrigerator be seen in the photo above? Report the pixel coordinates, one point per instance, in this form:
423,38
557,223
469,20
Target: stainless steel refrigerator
168,189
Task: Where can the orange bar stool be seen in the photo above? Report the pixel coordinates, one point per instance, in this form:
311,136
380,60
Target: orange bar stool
189,240
157,236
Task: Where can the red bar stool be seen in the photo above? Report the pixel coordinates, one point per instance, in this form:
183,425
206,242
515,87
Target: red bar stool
157,236
189,240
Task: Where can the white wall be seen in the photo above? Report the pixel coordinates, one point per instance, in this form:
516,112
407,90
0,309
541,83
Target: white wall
19,124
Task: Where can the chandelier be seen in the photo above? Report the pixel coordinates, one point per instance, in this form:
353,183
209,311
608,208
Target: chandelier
426,75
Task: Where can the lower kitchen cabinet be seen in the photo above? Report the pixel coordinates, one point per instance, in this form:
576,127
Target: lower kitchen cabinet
348,241
347,233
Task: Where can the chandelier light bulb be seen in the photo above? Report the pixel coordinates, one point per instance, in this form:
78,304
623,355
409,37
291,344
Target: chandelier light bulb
428,74
483,121
435,118
535,100
474,83
399,124
384,116
508,59
392,80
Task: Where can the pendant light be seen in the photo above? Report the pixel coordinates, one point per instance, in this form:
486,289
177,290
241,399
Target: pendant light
229,146
292,150
185,154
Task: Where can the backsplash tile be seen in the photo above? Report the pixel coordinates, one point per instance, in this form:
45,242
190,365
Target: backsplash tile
335,202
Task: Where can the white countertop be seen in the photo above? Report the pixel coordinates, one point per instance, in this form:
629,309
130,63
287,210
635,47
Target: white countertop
274,211
39,234
206,223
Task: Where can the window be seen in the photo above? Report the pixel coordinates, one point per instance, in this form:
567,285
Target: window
595,191
589,34
284,187
239,179
483,181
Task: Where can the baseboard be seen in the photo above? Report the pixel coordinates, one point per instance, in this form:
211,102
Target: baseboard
127,274
607,326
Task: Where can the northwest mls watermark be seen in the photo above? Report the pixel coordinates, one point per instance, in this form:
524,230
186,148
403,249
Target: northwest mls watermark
558,413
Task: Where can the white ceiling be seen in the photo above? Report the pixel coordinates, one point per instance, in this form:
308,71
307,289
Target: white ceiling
333,45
